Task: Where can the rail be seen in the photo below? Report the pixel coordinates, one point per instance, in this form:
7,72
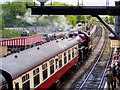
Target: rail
102,79
92,72
73,73
99,36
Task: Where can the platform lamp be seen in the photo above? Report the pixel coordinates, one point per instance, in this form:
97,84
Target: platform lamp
42,2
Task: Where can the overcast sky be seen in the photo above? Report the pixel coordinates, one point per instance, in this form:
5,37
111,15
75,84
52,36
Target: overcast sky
85,2
88,2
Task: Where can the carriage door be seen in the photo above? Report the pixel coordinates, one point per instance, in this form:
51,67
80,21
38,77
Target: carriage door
16,86
26,82
26,86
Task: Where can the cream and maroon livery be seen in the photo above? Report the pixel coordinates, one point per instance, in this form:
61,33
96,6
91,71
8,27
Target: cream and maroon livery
41,66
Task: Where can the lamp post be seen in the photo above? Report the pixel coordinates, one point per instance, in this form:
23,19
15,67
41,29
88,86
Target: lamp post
51,2
42,2
107,2
78,2
82,2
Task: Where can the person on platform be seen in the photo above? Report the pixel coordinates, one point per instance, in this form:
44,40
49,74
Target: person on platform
118,74
109,78
114,72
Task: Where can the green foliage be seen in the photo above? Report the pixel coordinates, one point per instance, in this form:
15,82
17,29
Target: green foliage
57,4
12,33
2,25
11,10
111,20
91,20
72,19
106,19
17,8
9,33
81,18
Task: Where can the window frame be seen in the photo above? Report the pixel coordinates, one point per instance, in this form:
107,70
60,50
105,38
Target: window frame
25,78
44,69
36,74
69,55
65,57
36,83
60,61
28,81
73,53
51,63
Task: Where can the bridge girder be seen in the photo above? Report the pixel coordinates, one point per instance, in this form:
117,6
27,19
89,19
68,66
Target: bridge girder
75,10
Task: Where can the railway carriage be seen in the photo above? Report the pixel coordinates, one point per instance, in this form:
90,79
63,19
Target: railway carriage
41,66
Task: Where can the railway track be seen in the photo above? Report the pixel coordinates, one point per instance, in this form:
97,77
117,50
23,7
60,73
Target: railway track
72,72
93,78
97,37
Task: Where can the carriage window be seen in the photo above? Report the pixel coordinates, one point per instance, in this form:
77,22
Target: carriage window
45,74
36,77
72,52
75,51
51,66
36,80
65,58
16,86
60,61
26,85
36,71
56,62
45,71
69,55
60,57
26,77
44,66
52,69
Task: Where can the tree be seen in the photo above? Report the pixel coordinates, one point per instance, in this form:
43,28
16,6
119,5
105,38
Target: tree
17,8
106,19
11,10
111,20
2,25
58,4
81,18
72,19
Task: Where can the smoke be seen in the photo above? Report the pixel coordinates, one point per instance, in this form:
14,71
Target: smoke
47,23
61,23
29,18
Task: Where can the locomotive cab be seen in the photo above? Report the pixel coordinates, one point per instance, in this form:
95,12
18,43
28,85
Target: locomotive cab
81,54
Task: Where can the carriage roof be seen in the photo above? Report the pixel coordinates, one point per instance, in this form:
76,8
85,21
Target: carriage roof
32,57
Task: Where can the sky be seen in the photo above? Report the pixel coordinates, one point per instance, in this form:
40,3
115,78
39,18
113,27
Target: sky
85,2
89,2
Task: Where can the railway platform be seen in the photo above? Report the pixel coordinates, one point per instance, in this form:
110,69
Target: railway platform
117,82
117,87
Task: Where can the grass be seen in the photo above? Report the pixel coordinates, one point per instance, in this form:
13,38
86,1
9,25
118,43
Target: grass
12,33
9,33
